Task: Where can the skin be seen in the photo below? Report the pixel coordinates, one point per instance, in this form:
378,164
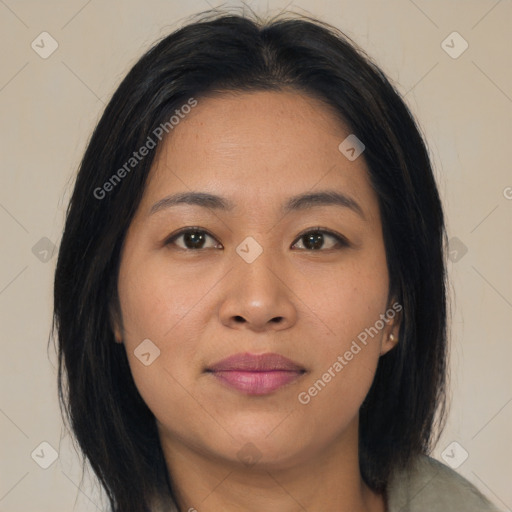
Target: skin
199,306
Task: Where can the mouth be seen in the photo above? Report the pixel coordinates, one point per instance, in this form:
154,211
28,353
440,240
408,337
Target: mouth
256,374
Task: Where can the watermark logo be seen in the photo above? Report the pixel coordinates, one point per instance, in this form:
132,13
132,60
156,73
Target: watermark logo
44,250
146,352
44,455
249,249
454,45
44,45
351,147
456,249
249,454
454,455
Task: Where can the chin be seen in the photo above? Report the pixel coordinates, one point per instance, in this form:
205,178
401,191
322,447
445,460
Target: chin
266,442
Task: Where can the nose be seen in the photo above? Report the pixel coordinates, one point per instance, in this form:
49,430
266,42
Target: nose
258,297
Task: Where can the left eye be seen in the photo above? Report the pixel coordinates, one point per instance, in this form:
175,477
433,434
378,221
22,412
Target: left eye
314,239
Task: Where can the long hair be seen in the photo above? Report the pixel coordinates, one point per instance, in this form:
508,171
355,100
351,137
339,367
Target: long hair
114,428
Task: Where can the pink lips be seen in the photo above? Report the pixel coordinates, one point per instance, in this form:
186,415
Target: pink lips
256,374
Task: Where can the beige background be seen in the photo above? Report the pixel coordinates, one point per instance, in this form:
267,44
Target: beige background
50,106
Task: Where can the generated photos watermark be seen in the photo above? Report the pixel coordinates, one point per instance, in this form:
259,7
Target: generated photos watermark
158,133
304,397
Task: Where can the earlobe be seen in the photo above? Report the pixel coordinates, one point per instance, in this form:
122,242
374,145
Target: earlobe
115,325
117,336
393,340
394,319
389,344
116,330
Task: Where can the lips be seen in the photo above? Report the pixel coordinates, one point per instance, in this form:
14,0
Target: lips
256,363
256,374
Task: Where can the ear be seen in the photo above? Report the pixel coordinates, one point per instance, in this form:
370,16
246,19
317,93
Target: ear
393,320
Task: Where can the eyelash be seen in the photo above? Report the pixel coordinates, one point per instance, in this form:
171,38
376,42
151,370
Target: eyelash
340,239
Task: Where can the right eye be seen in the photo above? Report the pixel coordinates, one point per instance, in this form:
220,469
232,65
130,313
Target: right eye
193,239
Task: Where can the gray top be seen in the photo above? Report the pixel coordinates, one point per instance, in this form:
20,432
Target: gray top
429,486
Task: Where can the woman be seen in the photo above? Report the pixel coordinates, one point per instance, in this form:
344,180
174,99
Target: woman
250,291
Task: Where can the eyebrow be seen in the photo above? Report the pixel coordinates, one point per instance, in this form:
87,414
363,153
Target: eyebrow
295,203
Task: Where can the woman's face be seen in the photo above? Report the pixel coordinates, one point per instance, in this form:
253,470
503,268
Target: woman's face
253,279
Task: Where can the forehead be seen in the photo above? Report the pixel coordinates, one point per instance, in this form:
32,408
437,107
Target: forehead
265,145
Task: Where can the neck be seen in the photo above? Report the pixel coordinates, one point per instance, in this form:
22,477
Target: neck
326,480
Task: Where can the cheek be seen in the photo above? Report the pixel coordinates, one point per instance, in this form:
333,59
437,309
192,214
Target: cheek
157,307
169,306
347,298
350,307
345,363
157,298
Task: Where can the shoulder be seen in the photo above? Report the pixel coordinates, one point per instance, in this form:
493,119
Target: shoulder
430,486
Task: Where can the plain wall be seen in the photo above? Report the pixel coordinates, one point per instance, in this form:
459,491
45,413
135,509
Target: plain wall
50,106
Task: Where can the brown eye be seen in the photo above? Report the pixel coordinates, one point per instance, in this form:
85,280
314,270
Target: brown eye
191,239
314,240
